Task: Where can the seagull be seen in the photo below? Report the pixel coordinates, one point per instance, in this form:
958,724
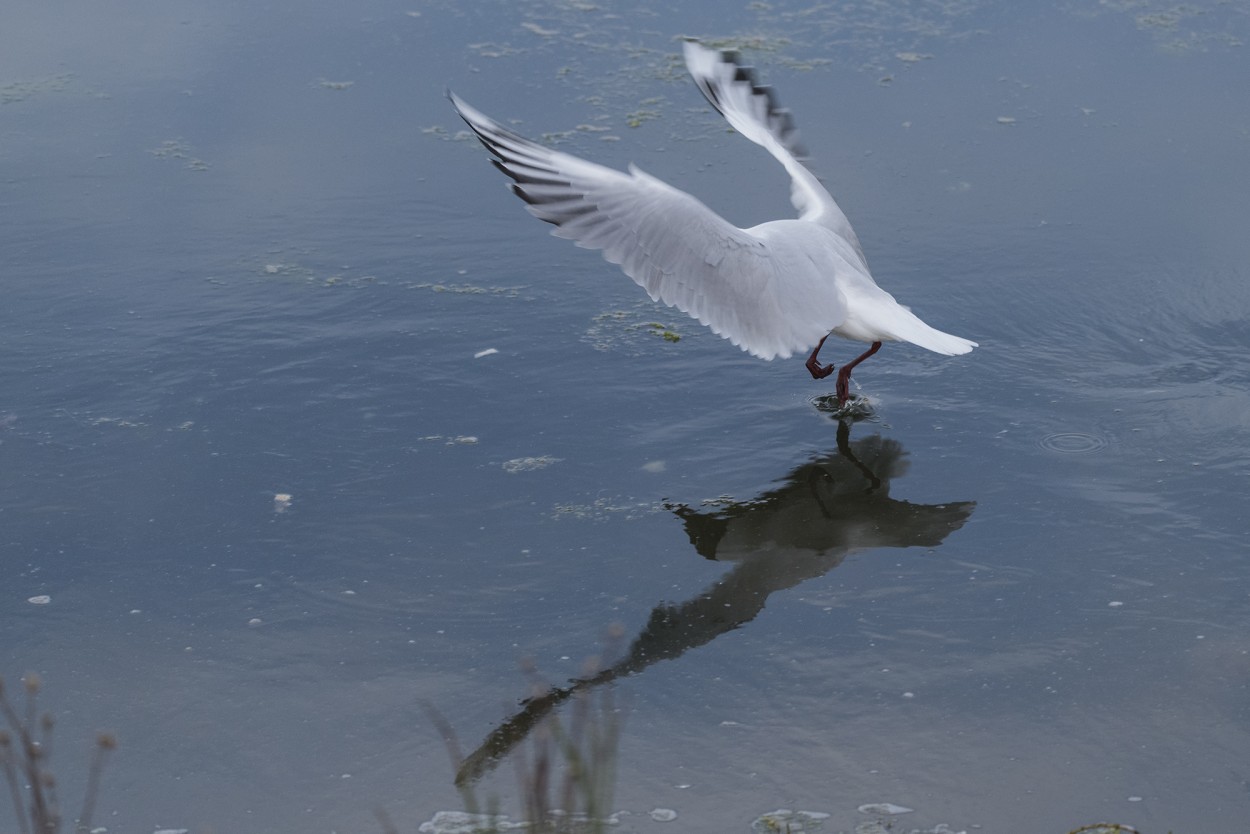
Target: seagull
773,290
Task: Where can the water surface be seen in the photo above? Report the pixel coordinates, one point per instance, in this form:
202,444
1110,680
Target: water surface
250,253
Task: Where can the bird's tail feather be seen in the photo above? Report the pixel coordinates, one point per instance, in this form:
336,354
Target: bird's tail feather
912,329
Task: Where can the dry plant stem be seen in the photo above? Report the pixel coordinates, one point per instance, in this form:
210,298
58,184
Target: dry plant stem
27,759
452,743
10,776
46,723
586,747
445,730
608,737
575,771
104,744
594,754
535,779
25,753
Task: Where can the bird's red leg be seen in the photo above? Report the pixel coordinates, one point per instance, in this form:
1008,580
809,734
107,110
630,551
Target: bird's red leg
844,375
818,371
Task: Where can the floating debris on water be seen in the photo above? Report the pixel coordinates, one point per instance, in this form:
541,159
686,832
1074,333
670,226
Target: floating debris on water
42,599
461,822
494,50
663,814
470,289
458,440
875,37
538,30
1006,120
639,117
15,91
555,137
529,464
876,827
281,502
120,422
664,331
784,820
601,509
487,352
312,277
887,808
179,149
335,85
617,329
724,500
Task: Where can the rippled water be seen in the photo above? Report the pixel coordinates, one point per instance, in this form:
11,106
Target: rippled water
279,492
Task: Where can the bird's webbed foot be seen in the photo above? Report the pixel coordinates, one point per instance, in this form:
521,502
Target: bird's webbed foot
817,370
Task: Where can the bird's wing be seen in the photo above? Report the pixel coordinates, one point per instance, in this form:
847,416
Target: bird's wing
676,248
752,110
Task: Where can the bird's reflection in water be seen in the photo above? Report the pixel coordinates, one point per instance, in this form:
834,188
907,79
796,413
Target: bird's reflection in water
834,505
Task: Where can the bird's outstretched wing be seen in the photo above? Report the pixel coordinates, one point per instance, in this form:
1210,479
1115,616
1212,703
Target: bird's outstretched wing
752,110
676,248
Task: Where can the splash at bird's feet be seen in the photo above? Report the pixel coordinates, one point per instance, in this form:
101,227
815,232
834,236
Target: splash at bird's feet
855,407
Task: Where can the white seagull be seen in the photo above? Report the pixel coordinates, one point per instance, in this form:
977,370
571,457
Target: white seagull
774,289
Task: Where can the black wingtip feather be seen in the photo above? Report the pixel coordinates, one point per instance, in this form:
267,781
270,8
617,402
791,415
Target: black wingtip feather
520,192
780,118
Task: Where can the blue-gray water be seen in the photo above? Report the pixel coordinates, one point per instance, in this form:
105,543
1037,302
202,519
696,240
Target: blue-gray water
247,253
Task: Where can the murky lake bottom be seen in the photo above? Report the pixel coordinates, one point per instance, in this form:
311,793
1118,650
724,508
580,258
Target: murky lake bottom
310,433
